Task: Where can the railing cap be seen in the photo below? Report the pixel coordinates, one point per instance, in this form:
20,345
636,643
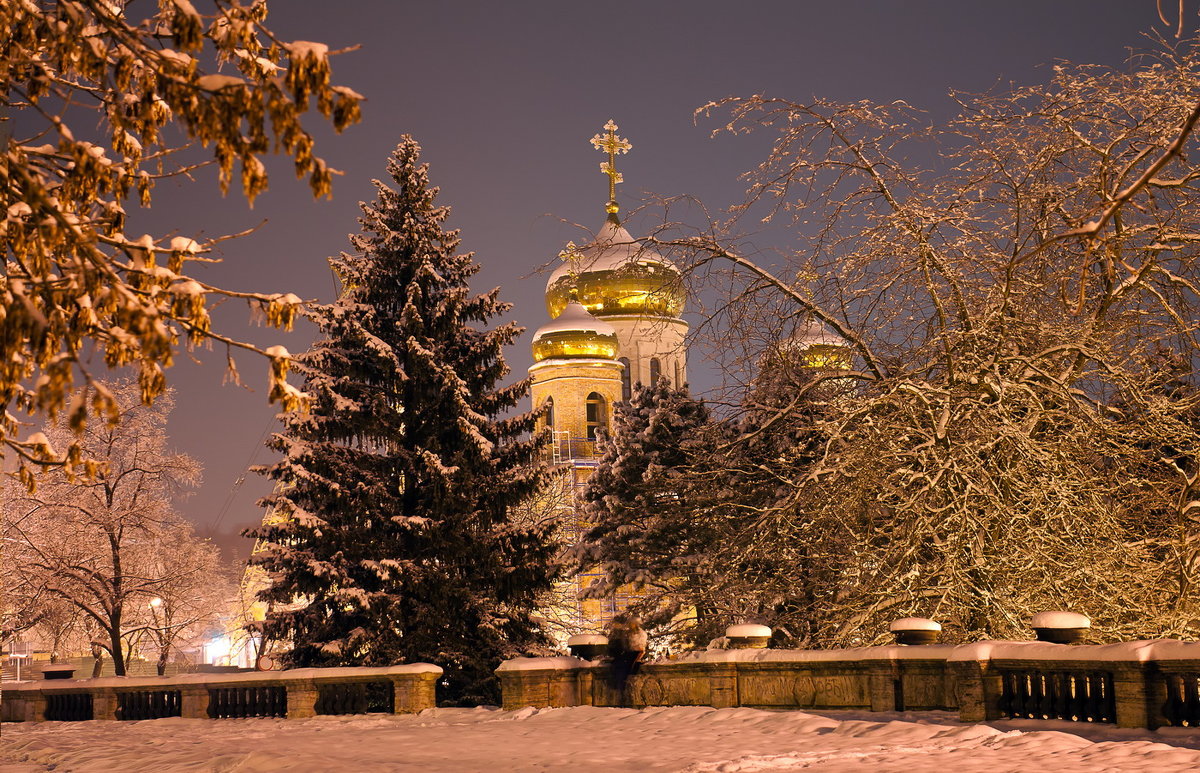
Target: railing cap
747,630
580,639
217,680
1060,619
914,624
556,663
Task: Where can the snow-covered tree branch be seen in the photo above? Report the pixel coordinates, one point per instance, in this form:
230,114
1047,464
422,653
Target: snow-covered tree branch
100,105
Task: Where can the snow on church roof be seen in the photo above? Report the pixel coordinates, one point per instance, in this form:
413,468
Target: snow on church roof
575,319
613,248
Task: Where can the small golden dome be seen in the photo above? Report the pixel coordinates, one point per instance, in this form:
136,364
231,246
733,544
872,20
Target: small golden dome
575,334
815,346
617,275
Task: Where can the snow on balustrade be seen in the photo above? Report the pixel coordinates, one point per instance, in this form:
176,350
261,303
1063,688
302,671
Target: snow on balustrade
296,693
989,680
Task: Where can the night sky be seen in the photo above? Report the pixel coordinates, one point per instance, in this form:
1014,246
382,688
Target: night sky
503,98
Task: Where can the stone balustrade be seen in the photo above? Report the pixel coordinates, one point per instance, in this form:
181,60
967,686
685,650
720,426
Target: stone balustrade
1146,684
298,693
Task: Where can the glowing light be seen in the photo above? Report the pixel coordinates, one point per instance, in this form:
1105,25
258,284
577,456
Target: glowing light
218,649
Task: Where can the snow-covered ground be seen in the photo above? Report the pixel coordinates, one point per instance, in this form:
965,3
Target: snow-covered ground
582,739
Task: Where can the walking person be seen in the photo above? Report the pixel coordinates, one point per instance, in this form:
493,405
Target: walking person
627,642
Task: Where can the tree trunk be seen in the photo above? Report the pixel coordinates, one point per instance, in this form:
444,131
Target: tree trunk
115,647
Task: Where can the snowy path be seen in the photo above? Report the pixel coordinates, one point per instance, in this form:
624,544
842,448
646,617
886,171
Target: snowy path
583,739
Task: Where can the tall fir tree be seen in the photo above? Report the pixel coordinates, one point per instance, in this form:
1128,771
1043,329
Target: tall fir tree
397,485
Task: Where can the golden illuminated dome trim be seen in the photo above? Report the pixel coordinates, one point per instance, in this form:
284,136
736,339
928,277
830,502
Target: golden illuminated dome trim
617,275
575,334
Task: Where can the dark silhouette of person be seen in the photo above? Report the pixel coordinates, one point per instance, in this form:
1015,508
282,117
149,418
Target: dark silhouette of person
627,643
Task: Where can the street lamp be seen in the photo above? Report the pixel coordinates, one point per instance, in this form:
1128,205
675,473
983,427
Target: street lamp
154,604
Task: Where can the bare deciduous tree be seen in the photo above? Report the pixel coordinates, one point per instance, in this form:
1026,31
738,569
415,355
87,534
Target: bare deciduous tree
1013,440
112,545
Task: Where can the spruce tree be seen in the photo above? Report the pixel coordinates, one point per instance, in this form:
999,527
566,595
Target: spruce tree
646,529
397,485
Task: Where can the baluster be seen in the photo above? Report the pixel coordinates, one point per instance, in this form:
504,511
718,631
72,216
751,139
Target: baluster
1006,693
1109,704
1091,698
1063,707
1050,698
1190,709
1021,698
1037,694
1067,697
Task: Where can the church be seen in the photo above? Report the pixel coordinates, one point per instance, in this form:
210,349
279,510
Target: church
616,310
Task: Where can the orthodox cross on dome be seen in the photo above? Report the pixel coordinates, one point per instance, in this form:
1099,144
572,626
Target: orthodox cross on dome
611,144
571,256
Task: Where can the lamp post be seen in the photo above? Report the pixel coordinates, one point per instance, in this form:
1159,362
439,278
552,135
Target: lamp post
154,605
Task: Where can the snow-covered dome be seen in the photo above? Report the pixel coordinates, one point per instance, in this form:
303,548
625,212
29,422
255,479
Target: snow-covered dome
617,275
815,346
814,333
575,334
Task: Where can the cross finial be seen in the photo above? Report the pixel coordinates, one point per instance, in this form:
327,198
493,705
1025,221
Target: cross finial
611,144
571,256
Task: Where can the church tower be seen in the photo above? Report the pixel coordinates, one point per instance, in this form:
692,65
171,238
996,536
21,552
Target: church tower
615,306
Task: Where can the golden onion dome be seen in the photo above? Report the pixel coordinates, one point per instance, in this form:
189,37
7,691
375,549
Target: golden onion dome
817,347
617,275
575,334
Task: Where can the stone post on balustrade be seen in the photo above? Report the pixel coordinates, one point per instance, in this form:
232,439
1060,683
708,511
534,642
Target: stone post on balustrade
747,636
587,646
301,698
1060,627
415,692
104,703
193,701
977,685
915,631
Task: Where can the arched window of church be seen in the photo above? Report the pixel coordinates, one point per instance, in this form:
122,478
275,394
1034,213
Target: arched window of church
626,380
595,414
678,373
655,370
550,412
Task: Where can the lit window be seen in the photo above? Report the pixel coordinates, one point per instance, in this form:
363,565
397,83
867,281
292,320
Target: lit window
655,370
626,382
595,414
